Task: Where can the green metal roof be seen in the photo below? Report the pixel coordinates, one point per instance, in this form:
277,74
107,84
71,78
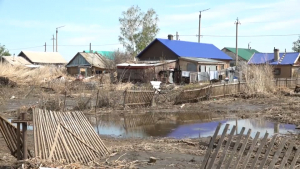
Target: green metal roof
107,54
243,53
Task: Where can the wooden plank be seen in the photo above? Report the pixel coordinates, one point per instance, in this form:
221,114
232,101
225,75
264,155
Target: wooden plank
295,159
287,155
250,150
237,143
223,156
262,144
268,152
218,146
211,144
80,139
54,143
277,154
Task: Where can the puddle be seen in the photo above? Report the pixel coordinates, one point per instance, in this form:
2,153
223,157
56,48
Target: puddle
147,126
181,125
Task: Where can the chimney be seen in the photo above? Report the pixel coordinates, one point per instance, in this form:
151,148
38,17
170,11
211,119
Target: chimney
276,54
170,37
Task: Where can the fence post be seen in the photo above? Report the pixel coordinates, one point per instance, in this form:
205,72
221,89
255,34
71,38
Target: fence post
286,82
125,94
239,88
224,90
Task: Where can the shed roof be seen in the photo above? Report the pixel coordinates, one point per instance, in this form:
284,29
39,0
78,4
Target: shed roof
203,60
44,57
243,53
191,49
93,59
284,58
145,64
107,54
17,60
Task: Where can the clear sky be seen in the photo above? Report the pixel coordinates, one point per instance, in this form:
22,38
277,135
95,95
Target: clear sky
28,24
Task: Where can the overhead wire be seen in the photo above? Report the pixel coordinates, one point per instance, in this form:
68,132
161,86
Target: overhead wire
62,45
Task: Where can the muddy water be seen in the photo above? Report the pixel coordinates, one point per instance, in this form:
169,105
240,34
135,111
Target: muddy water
180,125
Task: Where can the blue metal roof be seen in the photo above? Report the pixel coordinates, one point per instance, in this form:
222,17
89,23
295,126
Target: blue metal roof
284,58
192,49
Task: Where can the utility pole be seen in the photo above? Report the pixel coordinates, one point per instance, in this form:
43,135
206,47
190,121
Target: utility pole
237,22
90,47
45,47
53,41
200,24
177,35
56,35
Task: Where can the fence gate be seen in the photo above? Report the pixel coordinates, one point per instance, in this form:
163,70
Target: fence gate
247,153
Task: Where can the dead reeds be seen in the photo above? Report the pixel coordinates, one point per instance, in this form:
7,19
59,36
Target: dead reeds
258,78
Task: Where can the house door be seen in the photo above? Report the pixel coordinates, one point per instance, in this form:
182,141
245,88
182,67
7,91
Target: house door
192,67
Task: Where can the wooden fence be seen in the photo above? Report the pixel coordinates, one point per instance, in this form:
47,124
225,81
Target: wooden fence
285,82
66,136
247,153
211,91
9,133
138,97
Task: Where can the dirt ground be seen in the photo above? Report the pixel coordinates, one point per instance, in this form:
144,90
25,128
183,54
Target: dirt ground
170,153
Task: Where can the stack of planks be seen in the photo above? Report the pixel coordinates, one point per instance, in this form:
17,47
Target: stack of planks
9,133
66,136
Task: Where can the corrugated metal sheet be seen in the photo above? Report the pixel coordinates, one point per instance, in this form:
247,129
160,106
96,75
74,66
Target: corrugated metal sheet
192,49
16,60
44,57
243,53
289,58
284,58
203,60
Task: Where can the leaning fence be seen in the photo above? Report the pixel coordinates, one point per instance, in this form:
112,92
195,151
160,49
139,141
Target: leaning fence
212,91
245,152
138,97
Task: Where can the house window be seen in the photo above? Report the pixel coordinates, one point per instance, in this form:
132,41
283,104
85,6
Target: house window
277,71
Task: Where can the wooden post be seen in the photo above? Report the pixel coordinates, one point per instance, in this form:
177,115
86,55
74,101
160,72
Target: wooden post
239,88
65,100
96,104
224,90
285,82
24,128
19,142
125,94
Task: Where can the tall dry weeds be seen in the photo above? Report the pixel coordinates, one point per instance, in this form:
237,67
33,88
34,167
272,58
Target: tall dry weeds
258,78
27,76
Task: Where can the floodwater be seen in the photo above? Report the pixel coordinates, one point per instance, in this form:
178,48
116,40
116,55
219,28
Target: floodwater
176,126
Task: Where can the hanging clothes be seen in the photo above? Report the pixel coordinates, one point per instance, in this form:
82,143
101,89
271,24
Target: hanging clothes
203,76
185,74
213,75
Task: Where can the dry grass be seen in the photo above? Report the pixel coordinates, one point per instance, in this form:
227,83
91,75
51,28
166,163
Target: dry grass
259,78
27,76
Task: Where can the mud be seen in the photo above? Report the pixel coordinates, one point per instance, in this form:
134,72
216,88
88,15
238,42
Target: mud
169,153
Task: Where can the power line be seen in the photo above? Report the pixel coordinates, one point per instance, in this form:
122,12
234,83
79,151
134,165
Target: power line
63,45
243,35
27,47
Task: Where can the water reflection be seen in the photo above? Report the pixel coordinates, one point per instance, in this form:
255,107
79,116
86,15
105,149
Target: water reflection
178,125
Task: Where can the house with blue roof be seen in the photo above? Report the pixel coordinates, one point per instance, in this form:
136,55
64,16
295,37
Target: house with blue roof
286,65
190,56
